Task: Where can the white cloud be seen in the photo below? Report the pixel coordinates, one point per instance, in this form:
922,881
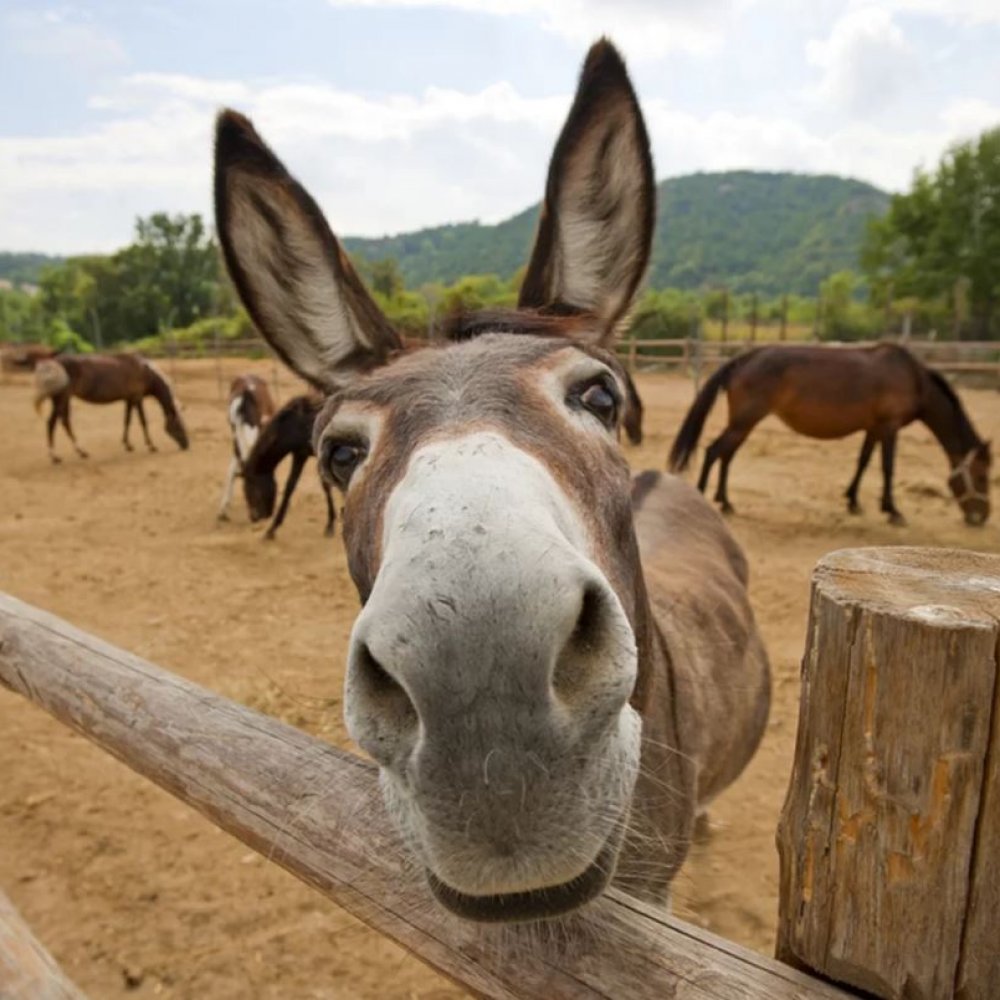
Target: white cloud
392,163
644,28
866,61
953,11
62,34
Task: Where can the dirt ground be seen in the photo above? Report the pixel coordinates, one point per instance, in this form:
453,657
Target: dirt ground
133,892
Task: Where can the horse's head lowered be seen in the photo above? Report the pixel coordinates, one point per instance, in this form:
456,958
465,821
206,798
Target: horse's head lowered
494,672
969,481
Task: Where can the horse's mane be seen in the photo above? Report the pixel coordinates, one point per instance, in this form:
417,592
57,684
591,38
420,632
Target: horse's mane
947,390
265,453
163,386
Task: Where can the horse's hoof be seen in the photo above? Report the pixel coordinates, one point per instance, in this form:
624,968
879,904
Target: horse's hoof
152,447
128,447
83,454
268,536
854,508
221,518
56,460
897,520
328,531
727,508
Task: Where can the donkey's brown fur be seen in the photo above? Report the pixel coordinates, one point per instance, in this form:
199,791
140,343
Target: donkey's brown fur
830,392
105,378
555,665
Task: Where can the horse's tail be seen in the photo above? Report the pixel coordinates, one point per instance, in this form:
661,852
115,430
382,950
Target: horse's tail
632,420
50,379
687,438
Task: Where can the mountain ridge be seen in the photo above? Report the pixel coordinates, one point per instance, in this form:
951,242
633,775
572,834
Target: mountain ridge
754,231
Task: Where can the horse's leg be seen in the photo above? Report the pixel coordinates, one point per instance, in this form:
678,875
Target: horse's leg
227,490
727,444
128,421
145,429
331,512
864,458
51,429
64,417
706,465
290,483
888,460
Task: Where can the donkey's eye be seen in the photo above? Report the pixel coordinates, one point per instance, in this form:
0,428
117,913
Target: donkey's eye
600,397
341,458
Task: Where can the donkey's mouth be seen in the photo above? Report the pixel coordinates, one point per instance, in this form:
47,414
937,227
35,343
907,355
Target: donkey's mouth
534,904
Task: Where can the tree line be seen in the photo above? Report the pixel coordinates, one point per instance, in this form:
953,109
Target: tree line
931,264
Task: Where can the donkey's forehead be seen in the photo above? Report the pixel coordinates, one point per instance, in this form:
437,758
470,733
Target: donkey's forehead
461,379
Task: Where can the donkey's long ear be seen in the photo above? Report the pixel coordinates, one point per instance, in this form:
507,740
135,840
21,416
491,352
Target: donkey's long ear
291,273
596,226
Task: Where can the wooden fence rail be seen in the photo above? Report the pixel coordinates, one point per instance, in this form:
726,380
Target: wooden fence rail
316,811
889,841
700,357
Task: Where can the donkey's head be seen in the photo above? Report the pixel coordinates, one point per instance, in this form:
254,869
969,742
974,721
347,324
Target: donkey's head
494,671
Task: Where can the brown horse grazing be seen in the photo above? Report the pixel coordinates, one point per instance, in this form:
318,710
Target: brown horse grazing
555,666
289,432
250,407
830,392
105,378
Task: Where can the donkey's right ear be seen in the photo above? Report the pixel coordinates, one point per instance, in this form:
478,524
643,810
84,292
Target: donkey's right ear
293,276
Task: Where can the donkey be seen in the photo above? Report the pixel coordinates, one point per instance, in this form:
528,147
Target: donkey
830,392
289,432
548,709
250,407
105,378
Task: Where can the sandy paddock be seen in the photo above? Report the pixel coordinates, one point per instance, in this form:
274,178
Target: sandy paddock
135,893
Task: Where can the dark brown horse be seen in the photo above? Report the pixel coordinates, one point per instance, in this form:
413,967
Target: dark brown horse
830,392
105,378
289,432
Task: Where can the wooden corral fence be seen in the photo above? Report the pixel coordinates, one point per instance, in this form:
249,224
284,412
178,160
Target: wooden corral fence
699,358
889,841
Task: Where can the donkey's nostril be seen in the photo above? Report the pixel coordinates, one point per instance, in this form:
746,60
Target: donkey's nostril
381,704
588,622
584,646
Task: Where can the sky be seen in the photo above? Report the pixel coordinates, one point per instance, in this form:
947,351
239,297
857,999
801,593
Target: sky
398,114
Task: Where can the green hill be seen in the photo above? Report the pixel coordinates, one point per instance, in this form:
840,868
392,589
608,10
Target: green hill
763,232
24,268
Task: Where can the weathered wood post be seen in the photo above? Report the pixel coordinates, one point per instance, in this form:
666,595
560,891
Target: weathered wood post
27,970
890,835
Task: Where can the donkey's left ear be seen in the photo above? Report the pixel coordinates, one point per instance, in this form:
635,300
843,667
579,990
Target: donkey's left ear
596,227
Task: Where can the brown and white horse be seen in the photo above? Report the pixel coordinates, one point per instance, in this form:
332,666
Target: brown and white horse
105,378
250,406
555,665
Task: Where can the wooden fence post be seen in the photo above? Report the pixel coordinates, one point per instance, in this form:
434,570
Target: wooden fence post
27,970
890,835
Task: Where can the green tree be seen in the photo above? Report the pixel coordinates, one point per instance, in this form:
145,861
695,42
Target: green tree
941,240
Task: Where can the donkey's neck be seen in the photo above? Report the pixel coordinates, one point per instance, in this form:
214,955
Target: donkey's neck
947,420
